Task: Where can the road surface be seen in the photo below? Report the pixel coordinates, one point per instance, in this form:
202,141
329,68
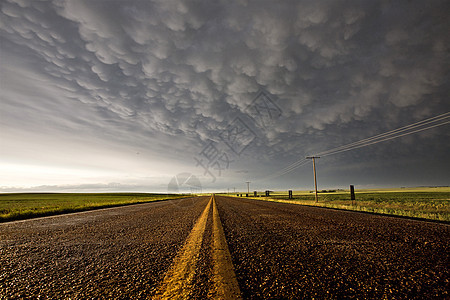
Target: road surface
223,247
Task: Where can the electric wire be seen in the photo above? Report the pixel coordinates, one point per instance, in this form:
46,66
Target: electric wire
393,134
390,133
385,139
286,170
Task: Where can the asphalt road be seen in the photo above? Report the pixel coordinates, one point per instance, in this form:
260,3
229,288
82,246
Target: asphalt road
269,250
120,253
284,251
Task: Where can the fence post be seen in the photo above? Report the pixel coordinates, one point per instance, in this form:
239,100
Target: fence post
352,194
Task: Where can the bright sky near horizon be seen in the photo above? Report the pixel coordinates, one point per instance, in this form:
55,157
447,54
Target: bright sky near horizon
126,95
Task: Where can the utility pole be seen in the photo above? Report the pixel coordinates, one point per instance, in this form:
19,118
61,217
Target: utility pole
248,187
314,168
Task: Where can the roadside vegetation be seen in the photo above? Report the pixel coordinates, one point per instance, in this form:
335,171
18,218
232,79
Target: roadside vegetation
425,203
30,205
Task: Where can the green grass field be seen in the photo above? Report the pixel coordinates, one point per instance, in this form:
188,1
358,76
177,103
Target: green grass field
427,203
30,205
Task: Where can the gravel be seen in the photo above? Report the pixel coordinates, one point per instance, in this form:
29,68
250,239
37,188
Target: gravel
118,253
284,251
279,251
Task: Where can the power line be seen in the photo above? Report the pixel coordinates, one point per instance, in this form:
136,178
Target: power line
291,167
393,133
421,123
389,135
286,170
385,139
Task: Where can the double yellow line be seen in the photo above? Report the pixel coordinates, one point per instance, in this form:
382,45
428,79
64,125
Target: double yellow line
178,281
224,278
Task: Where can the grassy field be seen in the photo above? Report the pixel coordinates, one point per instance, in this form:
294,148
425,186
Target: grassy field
30,205
427,203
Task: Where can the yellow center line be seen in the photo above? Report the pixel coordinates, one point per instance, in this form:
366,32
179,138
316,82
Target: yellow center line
224,278
177,283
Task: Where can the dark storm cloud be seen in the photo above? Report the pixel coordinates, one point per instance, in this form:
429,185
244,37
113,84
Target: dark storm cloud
140,71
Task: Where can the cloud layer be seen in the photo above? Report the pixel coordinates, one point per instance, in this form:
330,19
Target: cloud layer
169,76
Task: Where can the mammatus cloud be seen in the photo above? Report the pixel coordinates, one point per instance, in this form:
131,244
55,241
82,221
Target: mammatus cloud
169,76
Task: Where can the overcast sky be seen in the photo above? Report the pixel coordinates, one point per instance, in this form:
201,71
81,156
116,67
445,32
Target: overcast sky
125,95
